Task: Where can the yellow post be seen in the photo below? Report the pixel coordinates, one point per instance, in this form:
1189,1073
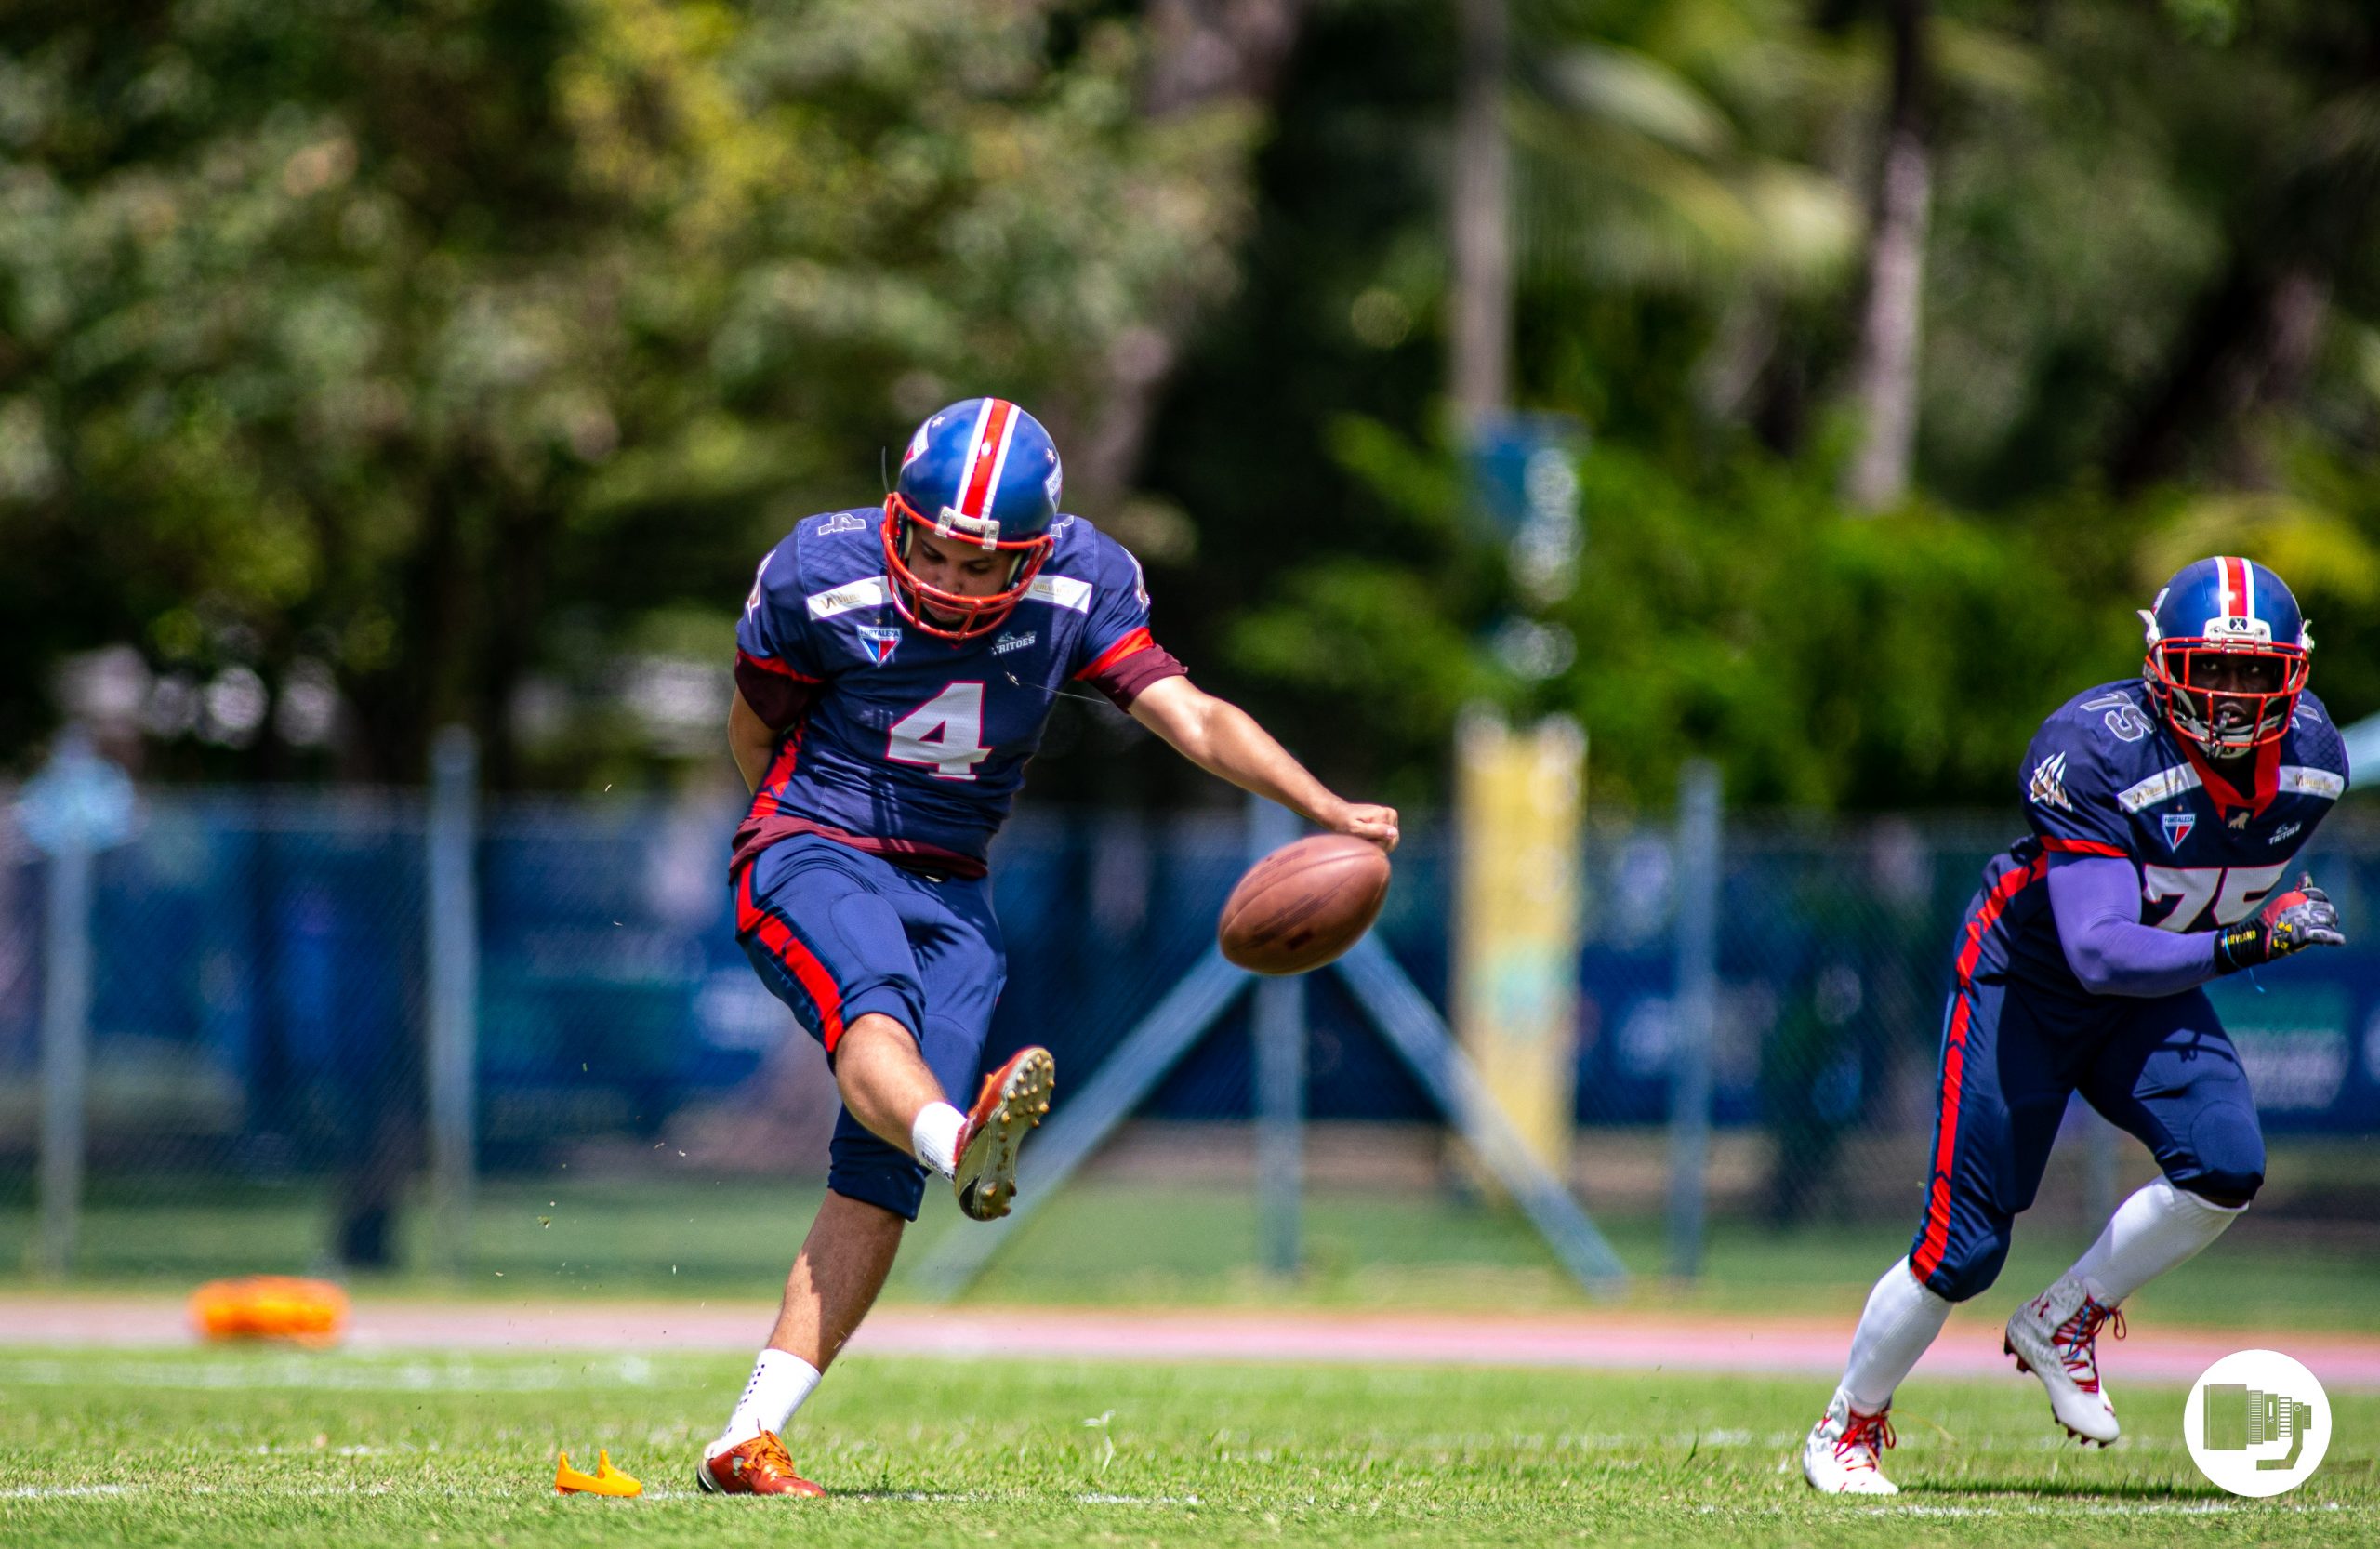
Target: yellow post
1518,796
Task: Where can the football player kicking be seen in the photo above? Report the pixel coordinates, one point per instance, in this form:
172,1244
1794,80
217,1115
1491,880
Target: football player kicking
893,671
2165,815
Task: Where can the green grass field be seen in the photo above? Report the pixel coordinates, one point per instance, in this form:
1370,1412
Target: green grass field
259,1448
1140,1245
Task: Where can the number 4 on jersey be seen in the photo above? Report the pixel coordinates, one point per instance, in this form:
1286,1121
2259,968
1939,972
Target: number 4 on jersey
946,731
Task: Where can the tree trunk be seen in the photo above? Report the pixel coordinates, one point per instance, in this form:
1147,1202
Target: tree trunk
1481,328
1889,332
2250,345
1202,54
520,568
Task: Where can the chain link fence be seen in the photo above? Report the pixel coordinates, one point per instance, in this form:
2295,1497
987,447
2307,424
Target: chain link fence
256,1093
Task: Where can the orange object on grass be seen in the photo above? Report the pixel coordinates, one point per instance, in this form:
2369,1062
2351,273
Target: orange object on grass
605,1480
269,1306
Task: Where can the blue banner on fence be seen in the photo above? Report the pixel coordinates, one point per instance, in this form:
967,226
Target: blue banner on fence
260,973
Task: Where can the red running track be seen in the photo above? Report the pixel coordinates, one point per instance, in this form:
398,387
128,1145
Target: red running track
1613,1341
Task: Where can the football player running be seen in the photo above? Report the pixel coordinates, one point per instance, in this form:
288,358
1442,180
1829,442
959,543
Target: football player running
2167,815
894,672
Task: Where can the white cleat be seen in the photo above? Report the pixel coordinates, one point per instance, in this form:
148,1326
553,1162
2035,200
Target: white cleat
2055,1336
1845,1451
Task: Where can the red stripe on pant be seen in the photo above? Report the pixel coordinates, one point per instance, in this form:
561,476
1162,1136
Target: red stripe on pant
800,960
1936,1241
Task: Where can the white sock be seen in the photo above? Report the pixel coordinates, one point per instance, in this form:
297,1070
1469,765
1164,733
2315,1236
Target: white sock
780,1381
1901,1320
2156,1228
933,1136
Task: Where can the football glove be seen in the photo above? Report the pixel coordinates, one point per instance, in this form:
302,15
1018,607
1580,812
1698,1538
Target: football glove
2289,922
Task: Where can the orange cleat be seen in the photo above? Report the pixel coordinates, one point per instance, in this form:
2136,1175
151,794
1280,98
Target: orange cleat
1013,1099
760,1466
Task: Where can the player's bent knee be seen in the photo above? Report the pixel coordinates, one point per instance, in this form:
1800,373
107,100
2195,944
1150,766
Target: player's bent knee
1967,1274
867,1172
2230,1191
2226,1161
866,1033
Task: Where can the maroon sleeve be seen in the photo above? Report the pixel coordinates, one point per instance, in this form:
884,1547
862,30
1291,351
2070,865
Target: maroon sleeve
1130,666
777,693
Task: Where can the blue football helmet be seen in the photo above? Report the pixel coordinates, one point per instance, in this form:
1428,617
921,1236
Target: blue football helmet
2226,654
983,471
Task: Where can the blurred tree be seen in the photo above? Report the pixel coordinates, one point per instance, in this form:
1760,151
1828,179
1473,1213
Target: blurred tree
396,340
457,362
2300,219
1687,190
401,351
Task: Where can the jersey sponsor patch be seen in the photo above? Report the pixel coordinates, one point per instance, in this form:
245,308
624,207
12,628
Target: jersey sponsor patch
2284,831
1065,592
2311,782
868,593
2177,828
2163,786
879,642
2048,786
1008,642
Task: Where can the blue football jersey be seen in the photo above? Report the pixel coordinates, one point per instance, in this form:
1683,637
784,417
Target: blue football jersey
906,745
2106,775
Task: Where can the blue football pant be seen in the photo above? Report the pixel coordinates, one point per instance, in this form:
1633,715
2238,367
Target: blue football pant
2161,1069
836,934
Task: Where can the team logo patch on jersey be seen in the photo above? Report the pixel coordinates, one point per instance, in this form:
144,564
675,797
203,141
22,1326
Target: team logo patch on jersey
2048,787
841,521
2177,828
879,642
2239,820
1006,644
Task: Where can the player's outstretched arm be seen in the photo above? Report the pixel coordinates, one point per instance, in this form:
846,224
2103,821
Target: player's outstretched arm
2095,901
1226,741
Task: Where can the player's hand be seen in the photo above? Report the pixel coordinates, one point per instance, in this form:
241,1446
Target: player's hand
2289,922
1377,824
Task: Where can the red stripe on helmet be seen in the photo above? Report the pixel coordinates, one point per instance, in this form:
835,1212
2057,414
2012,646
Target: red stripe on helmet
982,457
1936,1241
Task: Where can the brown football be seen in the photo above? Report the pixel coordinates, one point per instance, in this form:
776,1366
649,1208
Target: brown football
1303,904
